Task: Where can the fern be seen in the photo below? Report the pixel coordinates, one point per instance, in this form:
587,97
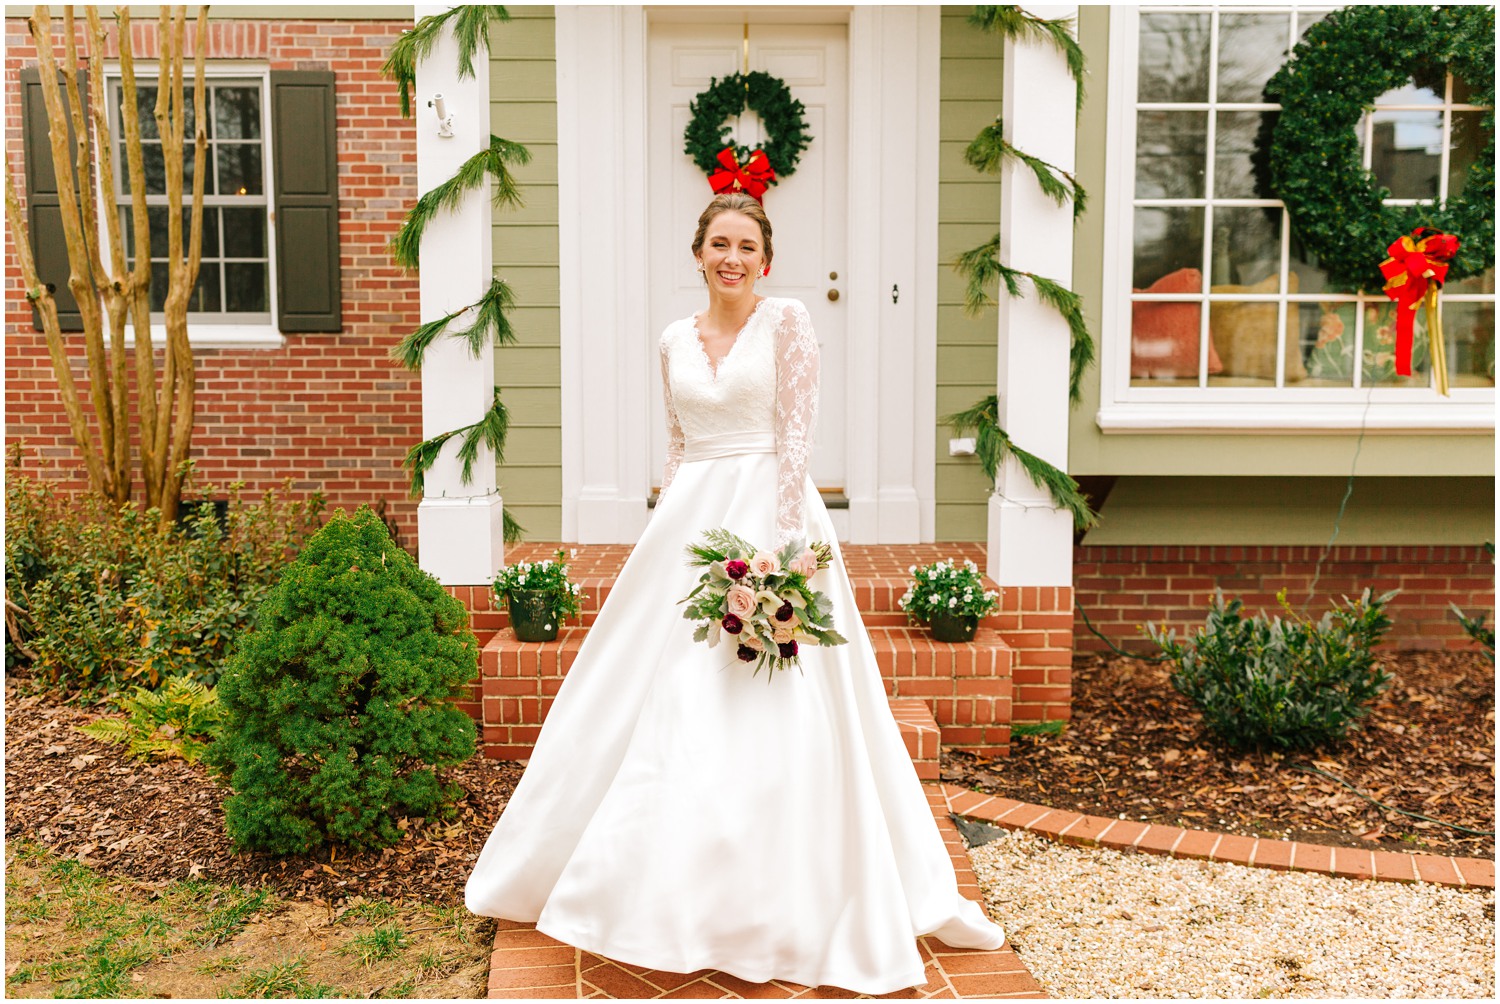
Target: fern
718,544
179,720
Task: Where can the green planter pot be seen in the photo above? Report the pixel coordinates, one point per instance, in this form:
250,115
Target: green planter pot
531,615
953,627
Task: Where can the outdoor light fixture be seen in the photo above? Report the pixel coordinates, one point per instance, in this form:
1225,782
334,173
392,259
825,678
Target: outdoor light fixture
445,120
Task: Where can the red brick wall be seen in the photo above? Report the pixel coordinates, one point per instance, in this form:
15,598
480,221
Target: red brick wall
330,411
1120,588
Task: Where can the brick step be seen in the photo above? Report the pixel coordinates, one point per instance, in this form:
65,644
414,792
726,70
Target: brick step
966,686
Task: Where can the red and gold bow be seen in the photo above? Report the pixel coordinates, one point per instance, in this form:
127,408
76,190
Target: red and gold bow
753,178
1414,272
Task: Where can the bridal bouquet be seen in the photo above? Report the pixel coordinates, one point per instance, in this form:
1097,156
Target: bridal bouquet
760,599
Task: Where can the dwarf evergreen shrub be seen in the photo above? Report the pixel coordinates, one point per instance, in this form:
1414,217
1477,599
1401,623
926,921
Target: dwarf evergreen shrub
1267,683
339,704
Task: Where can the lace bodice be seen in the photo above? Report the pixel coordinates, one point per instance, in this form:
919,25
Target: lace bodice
768,382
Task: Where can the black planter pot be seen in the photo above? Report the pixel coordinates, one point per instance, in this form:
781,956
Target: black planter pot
531,615
953,627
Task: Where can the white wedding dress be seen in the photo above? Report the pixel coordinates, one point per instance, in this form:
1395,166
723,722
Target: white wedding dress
678,813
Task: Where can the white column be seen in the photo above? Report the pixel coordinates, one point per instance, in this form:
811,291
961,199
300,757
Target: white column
605,352
459,526
1030,541
894,55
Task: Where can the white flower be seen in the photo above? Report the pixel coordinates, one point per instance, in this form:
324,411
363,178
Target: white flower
911,569
952,601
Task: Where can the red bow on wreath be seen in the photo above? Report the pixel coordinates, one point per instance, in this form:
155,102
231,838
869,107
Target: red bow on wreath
1414,272
753,179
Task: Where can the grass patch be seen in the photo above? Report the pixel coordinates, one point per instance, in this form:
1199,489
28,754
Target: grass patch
72,931
1053,727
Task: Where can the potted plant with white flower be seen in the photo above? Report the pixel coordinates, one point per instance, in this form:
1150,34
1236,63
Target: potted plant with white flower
539,596
949,598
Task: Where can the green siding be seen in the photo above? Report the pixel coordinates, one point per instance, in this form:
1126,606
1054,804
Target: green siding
1251,487
968,215
523,107
1293,510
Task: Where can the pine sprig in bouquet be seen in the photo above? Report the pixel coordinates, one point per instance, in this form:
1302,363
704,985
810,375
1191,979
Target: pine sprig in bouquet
760,599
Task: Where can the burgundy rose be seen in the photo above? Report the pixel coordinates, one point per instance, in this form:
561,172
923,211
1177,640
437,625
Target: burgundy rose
746,653
736,570
732,624
784,613
788,649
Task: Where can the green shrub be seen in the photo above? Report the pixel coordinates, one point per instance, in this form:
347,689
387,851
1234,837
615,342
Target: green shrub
1285,684
339,704
106,597
943,587
1478,632
179,720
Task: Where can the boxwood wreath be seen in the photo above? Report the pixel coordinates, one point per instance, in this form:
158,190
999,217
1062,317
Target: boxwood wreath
1336,72
707,134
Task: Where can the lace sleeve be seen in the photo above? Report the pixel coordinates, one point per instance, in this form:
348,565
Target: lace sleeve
674,429
796,416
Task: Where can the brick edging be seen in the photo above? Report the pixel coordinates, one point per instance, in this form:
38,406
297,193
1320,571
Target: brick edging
1280,855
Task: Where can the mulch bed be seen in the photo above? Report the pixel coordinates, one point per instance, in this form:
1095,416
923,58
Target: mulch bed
1134,748
158,822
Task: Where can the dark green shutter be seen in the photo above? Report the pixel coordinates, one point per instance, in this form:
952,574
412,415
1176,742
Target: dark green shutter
305,176
49,245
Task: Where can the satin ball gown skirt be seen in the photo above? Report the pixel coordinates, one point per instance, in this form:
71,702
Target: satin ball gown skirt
680,814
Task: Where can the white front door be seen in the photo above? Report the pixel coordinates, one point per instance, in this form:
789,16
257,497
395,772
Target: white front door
808,210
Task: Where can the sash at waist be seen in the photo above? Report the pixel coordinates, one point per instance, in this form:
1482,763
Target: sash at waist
729,444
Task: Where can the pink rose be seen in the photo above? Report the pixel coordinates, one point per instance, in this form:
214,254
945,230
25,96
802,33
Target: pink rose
740,601
764,563
736,569
805,563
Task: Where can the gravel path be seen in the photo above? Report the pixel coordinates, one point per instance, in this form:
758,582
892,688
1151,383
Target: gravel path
1093,922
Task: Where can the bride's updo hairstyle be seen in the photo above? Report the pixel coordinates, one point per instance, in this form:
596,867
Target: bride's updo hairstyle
738,202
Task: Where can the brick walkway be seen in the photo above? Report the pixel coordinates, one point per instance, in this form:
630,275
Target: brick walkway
1281,855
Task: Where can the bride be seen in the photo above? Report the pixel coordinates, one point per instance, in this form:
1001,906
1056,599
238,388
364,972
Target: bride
678,813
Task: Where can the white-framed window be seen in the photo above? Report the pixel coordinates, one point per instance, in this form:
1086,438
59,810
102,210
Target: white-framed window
1214,316
233,303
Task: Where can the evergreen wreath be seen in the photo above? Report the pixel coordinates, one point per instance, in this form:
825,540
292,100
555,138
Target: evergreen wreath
1336,72
769,97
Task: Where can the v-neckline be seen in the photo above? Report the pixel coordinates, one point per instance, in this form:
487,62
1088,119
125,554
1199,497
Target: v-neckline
713,368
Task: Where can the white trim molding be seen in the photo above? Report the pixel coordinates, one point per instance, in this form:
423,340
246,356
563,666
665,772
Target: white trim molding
1030,539
459,526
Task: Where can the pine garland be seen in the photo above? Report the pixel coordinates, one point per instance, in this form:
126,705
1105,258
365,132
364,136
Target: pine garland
493,162
471,25
982,266
1010,21
490,321
993,445
490,430
990,150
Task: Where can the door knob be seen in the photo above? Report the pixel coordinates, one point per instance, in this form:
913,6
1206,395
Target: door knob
833,294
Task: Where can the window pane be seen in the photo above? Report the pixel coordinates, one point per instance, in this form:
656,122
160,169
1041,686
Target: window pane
1252,48
1380,349
1327,332
244,233
154,165
1170,154
1244,339
158,217
1247,248
1469,334
1164,338
1167,240
1240,142
1417,92
1406,152
1463,94
239,168
1174,57
1305,275
1464,146
245,286
145,103
237,113
205,298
